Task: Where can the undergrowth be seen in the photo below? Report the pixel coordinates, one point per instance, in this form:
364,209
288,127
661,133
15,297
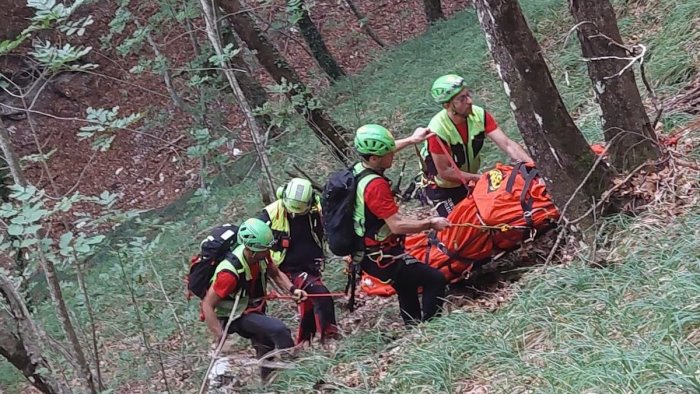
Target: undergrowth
633,325
630,327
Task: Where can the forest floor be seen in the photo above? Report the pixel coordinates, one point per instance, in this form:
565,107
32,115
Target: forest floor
147,171
152,174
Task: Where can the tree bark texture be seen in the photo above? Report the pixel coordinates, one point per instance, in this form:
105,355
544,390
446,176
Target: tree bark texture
255,133
626,126
433,10
318,120
554,141
253,91
20,342
364,24
10,156
64,318
298,12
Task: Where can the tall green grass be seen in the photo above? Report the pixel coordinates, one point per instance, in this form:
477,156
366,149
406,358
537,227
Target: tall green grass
627,328
631,327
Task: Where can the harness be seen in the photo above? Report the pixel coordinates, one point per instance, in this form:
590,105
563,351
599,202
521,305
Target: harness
236,264
279,224
526,202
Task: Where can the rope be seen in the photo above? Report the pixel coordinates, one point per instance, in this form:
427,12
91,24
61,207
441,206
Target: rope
383,257
220,346
276,296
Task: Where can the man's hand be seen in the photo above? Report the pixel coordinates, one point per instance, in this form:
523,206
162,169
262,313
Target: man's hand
439,223
421,134
300,295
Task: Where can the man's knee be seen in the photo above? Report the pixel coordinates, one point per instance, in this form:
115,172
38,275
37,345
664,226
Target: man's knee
280,333
435,278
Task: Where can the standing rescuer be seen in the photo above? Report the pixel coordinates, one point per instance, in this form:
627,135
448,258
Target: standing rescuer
451,156
382,227
242,274
295,220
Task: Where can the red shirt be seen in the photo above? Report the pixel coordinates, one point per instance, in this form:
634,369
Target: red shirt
489,126
225,282
379,198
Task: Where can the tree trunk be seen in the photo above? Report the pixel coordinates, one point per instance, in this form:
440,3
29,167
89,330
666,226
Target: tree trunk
20,342
364,25
554,141
325,129
433,10
10,156
64,318
298,12
256,135
626,126
17,178
253,91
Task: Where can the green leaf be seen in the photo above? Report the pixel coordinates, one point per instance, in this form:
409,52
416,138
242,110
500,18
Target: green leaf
94,240
34,214
197,151
65,240
27,242
32,230
82,248
15,229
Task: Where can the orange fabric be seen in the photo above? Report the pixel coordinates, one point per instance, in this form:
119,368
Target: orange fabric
490,204
598,149
375,287
473,243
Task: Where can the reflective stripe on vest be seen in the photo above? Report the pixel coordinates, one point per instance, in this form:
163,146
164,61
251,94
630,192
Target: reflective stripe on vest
279,224
243,275
442,125
359,214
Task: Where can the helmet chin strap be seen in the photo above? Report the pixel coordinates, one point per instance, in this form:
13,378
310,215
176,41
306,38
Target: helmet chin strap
455,112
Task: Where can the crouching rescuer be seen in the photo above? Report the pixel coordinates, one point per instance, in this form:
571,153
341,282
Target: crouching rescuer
295,220
382,228
239,282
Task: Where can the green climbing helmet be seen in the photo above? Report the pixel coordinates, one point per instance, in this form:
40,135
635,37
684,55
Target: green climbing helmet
298,195
373,139
255,235
446,87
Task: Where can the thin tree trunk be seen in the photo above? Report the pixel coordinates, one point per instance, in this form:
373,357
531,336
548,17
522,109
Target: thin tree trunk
554,141
17,178
91,317
167,76
626,126
256,135
10,156
253,91
433,10
364,25
54,284
325,129
298,12
20,342
64,318
190,30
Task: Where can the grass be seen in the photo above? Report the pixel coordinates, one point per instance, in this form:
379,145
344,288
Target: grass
631,327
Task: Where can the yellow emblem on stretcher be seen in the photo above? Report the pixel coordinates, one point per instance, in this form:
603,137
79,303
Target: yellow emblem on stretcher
495,179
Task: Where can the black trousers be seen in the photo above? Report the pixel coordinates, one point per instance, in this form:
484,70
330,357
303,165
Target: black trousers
407,275
317,314
445,199
265,333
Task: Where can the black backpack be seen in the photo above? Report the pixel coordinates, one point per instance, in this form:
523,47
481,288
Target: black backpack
338,207
213,250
